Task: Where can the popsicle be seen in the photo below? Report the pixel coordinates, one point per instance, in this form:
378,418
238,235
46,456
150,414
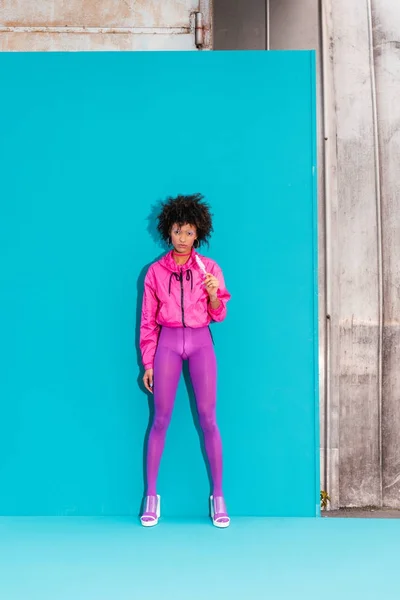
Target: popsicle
201,264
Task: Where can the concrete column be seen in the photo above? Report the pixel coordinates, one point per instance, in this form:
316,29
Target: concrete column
386,46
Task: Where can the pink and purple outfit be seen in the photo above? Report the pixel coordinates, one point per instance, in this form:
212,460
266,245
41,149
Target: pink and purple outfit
176,314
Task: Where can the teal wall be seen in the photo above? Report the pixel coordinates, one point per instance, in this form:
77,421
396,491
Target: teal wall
89,144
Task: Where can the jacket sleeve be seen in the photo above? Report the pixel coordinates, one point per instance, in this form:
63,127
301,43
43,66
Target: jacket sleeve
223,296
148,326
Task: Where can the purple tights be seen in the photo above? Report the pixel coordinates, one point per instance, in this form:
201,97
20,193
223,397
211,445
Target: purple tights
174,346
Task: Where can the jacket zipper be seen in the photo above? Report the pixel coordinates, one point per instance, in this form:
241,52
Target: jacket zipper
182,307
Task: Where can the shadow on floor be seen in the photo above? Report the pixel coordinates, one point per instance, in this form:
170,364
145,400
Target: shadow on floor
362,513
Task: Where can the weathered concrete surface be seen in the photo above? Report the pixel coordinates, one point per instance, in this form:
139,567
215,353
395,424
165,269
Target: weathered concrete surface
239,24
356,513
294,25
54,25
96,13
77,42
361,448
356,259
386,20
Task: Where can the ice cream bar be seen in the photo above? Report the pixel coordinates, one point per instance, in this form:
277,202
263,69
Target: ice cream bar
201,264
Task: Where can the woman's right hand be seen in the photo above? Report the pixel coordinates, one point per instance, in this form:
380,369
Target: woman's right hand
148,380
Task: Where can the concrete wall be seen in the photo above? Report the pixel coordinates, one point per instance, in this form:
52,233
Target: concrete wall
356,268
93,25
386,45
360,238
239,25
294,24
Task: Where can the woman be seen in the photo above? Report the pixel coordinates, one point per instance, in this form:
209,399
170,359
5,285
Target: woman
183,293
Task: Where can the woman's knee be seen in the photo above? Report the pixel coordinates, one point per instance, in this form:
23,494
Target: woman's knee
161,422
208,421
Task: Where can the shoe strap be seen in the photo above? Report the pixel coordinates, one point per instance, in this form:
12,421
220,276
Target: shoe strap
219,506
150,504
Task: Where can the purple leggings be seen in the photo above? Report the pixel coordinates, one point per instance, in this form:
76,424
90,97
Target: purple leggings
174,346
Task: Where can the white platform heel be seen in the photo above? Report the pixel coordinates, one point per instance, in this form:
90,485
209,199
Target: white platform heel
218,512
151,512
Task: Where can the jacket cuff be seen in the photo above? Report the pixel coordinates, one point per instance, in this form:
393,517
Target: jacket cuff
148,366
216,311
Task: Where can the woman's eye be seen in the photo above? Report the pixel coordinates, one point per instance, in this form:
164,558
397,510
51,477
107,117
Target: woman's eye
190,233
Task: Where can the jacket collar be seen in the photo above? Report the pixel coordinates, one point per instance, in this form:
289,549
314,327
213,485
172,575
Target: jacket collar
169,263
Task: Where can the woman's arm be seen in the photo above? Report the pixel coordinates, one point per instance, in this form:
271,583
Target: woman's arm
215,302
148,326
218,300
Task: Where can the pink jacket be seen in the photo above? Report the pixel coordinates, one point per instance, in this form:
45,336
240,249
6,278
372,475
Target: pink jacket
174,296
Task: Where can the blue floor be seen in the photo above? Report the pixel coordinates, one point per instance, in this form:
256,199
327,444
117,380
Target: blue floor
116,559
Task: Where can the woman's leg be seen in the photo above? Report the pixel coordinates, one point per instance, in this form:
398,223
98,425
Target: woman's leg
167,371
203,373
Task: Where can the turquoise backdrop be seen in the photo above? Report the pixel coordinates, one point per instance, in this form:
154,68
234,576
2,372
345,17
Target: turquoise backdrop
89,144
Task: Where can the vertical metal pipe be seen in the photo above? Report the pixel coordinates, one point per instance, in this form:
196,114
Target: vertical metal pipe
199,30
378,196
327,103
267,26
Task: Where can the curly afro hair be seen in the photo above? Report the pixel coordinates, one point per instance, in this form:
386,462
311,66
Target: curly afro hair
186,210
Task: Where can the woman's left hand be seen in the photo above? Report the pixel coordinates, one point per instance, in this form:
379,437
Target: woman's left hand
212,285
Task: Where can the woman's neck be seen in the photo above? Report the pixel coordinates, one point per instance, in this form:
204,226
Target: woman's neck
179,258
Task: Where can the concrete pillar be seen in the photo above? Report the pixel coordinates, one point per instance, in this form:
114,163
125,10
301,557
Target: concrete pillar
386,47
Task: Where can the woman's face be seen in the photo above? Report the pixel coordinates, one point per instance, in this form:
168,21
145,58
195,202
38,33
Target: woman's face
183,237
